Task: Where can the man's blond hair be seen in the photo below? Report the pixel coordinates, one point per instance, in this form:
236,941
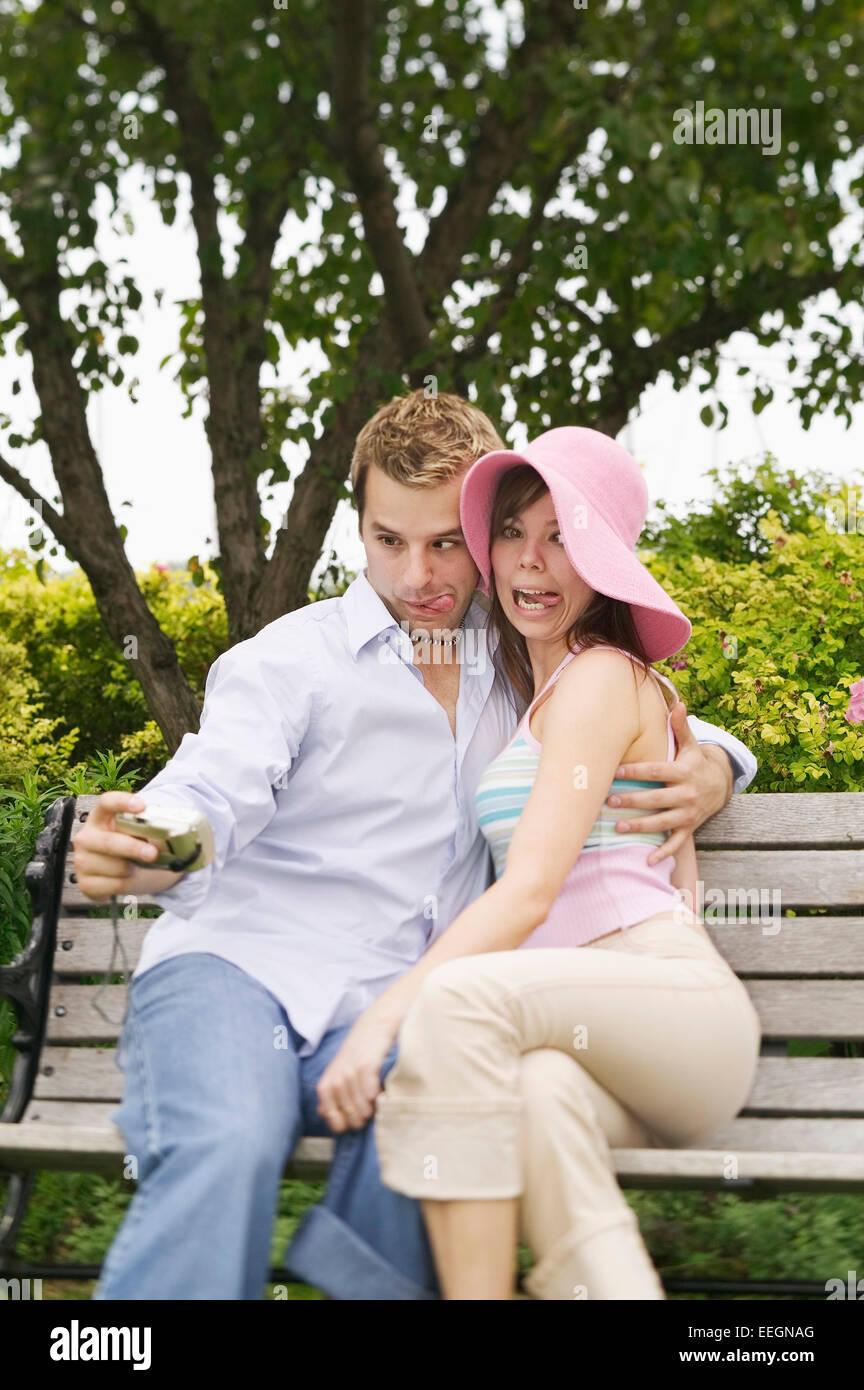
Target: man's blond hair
421,441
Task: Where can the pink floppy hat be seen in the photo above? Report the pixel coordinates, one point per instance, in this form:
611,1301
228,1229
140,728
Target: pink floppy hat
601,503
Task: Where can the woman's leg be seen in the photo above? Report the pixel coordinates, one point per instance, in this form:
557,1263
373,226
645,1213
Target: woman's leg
569,1125
473,1244
654,1016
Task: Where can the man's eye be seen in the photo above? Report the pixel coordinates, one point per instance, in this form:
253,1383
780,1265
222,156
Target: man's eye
445,542
385,539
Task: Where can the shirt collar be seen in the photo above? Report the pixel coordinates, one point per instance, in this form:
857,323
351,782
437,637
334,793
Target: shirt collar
366,614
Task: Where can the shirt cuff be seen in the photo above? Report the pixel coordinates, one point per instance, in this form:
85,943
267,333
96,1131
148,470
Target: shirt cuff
186,896
189,892
744,765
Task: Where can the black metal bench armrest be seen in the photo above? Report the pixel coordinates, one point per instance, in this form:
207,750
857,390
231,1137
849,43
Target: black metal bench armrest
26,980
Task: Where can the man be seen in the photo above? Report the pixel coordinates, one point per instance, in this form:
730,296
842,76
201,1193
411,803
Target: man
336,761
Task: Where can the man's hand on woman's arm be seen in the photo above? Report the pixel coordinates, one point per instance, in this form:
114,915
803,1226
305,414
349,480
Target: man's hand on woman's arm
699,784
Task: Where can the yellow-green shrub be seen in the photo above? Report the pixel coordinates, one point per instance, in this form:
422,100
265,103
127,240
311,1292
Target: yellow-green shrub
85,684
776,645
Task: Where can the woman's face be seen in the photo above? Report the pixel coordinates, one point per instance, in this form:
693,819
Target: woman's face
528,553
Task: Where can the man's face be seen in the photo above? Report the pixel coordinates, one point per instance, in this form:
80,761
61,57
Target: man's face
415,551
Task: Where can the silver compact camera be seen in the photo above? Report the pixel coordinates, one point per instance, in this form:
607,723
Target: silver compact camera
183,837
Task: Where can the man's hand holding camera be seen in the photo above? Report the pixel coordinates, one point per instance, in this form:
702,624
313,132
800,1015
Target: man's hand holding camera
108,862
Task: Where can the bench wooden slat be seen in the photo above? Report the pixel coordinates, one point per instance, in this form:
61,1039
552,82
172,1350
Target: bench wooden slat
783,1085
744,1133
79,1021
84,945
802,946
791,819
755,819
827,1009
80,1148
807,1085
100,1148
79,1073
662,1169
790,1136
756,880
90,1114
819,878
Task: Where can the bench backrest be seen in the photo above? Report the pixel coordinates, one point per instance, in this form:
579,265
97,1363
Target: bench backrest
761,857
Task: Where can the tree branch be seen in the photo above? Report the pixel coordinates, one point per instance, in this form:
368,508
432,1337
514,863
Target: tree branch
58,523
518,264
358,139
498,145
500,142
718,322
635,367
234,337
87,528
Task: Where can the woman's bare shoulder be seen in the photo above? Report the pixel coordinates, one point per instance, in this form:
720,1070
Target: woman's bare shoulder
598,668
651,699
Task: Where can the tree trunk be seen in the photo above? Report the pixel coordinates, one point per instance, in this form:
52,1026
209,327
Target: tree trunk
87,529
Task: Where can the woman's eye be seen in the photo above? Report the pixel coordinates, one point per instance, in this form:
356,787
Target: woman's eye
556,535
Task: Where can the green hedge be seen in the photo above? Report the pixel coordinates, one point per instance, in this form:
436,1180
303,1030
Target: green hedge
54,641
776,645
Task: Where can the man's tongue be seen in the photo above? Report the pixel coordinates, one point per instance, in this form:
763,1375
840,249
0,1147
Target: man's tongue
442,604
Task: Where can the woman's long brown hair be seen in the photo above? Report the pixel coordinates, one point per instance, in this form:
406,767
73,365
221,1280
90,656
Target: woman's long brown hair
604,619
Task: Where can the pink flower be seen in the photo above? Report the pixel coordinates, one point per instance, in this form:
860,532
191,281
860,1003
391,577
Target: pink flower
163,568
855,712
678,665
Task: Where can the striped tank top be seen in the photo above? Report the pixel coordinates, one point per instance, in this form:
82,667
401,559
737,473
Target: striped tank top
611,885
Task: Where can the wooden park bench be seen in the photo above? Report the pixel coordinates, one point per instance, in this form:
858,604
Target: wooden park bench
801,1130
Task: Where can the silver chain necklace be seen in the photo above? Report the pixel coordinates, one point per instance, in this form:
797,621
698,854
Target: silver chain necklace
439,641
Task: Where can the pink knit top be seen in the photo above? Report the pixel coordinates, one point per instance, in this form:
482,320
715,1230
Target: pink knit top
610,886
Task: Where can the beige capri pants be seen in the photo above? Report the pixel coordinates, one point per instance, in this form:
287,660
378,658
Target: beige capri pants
517,1071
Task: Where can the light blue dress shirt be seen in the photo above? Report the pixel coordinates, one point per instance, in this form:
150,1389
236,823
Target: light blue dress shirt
342,807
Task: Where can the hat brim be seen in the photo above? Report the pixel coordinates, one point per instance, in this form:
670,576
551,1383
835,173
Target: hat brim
596,552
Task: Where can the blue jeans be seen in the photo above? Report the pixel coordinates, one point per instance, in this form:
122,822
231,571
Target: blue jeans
215,1100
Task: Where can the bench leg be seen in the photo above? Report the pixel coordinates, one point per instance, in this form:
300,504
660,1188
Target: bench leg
17,1197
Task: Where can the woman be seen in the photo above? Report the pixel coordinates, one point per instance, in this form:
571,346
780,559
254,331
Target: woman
580,945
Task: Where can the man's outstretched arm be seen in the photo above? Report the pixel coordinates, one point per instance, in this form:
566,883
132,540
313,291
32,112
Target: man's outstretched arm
257,708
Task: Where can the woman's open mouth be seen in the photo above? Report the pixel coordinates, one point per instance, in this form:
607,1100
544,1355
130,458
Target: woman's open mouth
535,600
